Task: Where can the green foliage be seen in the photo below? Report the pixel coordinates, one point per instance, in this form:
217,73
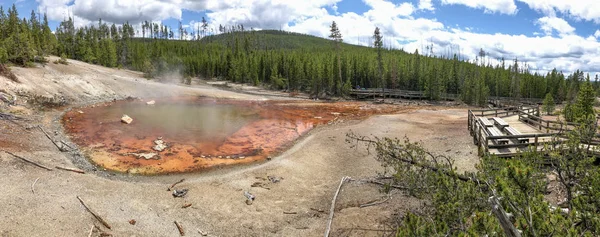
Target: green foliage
3,55
548,104
458,204
63,59
585,101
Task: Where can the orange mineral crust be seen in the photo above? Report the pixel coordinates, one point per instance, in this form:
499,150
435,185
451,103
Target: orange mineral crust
191,134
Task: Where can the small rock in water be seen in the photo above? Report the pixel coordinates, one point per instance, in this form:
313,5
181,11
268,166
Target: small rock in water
126,119
146,156
160,145
152,102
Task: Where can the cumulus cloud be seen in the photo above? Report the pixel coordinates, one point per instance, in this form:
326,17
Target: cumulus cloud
597,34
548,24
588,10
426,5
490,6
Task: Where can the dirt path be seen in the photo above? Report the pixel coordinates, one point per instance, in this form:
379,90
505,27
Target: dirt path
311,170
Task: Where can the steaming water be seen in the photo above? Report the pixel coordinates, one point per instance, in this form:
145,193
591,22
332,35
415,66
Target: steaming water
195,121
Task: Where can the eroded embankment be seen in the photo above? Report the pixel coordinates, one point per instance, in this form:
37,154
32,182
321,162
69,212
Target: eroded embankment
199,133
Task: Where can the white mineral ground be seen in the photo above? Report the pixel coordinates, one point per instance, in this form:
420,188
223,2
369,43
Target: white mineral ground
311,169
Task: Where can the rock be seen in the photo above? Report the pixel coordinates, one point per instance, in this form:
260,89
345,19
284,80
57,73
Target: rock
180,193
274,179
152,102
132,222
551,177
249,197
335,113
160,145
79,111
126,119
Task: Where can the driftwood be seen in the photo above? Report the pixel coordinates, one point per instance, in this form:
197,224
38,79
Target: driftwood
98,217
29,161
176,183
9,117
505,223
186,205
33,185
91,231
71,169
388,185
60,148
374,203
332,209
290,212
67,145
181,232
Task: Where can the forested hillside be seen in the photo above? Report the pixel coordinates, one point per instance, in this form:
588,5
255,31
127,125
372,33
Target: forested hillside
277,59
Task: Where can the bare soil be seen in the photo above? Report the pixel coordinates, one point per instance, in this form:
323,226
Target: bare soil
298,205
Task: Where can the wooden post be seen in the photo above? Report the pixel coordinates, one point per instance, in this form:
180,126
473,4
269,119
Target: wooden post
536,140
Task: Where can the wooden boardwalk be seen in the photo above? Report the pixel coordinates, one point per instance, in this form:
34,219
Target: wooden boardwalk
532,136
394,93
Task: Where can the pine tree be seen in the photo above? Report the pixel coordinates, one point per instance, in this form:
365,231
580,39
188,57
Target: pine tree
336,36
585,102
548,104
378,44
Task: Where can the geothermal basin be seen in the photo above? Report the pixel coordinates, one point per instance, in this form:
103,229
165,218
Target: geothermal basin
198,132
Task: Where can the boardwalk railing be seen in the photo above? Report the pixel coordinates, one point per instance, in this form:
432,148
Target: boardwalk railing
486,141
395,93
554,126
555,132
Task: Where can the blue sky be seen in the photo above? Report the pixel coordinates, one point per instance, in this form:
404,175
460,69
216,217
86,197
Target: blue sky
544,34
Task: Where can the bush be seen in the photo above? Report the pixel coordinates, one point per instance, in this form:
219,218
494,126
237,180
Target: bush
63,60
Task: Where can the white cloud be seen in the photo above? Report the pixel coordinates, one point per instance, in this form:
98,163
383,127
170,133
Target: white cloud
597,34
426,5
490,6
588,10
548,24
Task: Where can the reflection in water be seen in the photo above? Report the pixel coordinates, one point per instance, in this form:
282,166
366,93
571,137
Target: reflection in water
199,133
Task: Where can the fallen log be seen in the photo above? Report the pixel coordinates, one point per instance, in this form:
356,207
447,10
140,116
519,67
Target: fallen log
98,217
60,148
181,232
11,117
388,185
176,183
332,209
29,161
374,203
71,169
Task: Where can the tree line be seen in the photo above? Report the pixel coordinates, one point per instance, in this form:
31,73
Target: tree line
277,59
